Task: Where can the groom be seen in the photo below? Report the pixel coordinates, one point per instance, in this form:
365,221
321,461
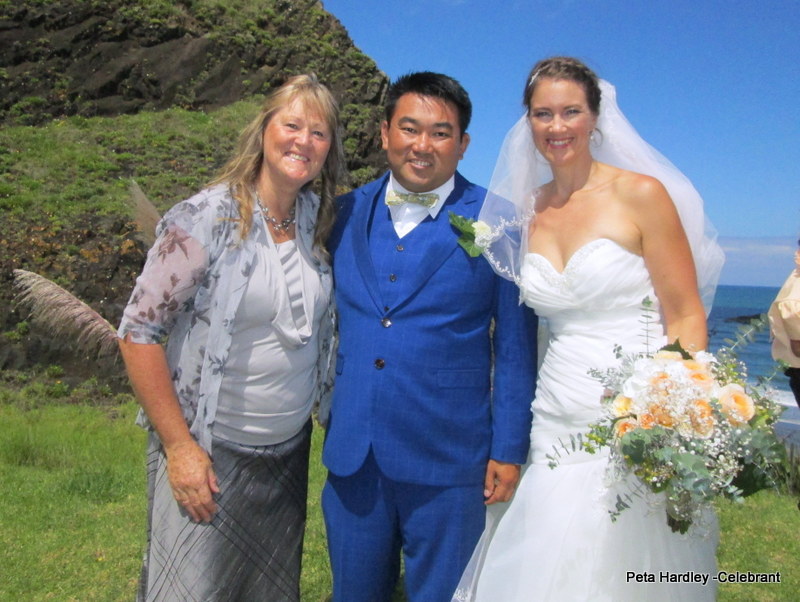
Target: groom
424,428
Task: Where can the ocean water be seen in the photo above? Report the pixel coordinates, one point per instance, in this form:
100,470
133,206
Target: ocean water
733,302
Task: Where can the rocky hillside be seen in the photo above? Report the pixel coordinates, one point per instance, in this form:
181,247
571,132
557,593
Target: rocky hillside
95,93
91,57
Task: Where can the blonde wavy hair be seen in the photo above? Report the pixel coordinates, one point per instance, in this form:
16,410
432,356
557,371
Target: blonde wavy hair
241,171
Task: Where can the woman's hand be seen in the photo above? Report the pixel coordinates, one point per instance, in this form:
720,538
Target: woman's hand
189,468
192,478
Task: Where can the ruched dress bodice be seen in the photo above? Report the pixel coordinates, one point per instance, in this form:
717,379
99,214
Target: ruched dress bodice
596,303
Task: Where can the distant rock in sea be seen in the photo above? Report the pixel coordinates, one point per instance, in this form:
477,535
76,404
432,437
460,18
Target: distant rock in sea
744,319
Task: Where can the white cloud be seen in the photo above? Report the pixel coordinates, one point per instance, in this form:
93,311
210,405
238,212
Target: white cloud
757,261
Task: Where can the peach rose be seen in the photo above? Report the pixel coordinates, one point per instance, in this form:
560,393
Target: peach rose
702,418
736,404
621,406
659,379
646,421
660,415
702,408
703,380
624,426
699,374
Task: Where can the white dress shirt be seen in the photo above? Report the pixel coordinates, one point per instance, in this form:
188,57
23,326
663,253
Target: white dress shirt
408,216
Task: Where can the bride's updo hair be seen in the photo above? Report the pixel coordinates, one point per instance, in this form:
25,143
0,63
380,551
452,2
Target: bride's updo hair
564,67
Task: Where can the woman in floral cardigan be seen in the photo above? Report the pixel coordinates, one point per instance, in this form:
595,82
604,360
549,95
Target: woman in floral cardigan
238,285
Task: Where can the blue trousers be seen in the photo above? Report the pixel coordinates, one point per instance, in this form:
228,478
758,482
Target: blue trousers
370,518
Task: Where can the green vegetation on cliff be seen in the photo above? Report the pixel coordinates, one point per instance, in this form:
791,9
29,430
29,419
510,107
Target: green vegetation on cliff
77,165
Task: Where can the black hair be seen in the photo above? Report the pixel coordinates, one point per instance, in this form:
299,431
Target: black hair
436,85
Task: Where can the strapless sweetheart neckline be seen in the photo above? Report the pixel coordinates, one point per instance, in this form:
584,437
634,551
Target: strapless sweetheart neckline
582,251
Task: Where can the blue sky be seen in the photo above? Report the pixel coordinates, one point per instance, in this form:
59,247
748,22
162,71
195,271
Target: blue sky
714,85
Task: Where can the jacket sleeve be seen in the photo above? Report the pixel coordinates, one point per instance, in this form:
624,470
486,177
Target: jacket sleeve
789,312
514,346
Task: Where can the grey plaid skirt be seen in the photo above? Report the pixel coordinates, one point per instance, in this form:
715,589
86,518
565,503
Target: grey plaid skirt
252,548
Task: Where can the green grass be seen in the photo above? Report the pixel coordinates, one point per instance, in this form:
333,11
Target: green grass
172,154
71,523
72,518
761,536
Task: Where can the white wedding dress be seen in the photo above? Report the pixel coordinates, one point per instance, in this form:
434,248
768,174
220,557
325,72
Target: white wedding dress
556,540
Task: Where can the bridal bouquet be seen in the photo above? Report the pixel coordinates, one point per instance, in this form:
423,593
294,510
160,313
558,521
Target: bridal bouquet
687,426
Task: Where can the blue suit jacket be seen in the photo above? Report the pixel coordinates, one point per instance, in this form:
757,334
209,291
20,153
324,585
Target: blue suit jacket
413,380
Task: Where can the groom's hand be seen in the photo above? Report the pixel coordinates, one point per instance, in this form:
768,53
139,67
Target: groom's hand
500,482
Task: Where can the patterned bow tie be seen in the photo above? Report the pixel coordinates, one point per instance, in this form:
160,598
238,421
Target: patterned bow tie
426,199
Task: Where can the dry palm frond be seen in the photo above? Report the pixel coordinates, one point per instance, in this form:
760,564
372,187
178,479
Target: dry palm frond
64,314
145,214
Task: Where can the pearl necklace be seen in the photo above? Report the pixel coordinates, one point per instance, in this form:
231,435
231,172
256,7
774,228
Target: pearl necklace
278,226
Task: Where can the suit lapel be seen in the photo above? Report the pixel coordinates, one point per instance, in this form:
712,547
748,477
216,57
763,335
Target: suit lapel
362,214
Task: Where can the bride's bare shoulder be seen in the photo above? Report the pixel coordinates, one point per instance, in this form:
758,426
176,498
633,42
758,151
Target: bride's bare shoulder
636,188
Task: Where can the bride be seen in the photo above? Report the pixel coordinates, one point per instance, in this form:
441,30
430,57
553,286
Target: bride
611,222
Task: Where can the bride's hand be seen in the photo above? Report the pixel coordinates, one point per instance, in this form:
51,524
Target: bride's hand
500,482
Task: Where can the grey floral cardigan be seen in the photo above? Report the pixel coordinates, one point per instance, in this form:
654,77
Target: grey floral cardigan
196,273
